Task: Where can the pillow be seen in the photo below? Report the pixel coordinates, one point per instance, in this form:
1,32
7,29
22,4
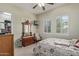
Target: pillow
37,36
63,41
61,44
73,41
77,44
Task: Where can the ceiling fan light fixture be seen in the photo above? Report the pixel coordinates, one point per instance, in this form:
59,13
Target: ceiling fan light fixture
41,4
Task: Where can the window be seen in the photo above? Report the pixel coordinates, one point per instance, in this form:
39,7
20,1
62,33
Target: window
47,26
62,24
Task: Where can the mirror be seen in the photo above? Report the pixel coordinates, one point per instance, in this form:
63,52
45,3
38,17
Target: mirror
5,23
26,28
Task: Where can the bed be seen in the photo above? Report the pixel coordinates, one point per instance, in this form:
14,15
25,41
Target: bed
55,47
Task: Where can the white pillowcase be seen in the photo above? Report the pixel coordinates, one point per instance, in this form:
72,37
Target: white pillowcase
37,36
62,42
73,41
59,41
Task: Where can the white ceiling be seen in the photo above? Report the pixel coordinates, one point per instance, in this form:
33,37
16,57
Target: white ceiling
37,10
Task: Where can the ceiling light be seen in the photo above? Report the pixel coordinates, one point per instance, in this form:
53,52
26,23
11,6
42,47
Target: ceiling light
6,13
41,4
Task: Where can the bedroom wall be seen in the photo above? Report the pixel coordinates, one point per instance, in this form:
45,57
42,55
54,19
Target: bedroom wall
18,16
71,10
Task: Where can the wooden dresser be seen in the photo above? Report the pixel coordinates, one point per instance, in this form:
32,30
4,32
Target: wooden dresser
6,45
28,40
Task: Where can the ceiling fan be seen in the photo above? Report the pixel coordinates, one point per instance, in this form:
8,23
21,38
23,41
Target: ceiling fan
42,5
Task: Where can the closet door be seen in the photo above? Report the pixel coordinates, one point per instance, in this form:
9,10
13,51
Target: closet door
1,47
6,45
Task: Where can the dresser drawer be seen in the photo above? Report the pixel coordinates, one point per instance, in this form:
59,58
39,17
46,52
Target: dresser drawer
27,41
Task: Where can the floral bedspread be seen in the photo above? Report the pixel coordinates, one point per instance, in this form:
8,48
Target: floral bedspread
48,48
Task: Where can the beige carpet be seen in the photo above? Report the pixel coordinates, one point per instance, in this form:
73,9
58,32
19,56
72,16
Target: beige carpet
24,51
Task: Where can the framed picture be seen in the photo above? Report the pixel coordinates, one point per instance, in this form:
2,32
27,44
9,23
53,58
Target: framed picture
35,23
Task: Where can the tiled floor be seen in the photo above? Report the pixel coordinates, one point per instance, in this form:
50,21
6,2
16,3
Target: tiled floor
24,51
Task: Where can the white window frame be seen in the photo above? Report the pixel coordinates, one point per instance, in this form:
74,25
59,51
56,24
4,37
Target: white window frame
61,24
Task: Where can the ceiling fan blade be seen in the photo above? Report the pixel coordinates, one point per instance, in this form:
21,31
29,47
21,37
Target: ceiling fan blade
50,3
43,7
35,6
